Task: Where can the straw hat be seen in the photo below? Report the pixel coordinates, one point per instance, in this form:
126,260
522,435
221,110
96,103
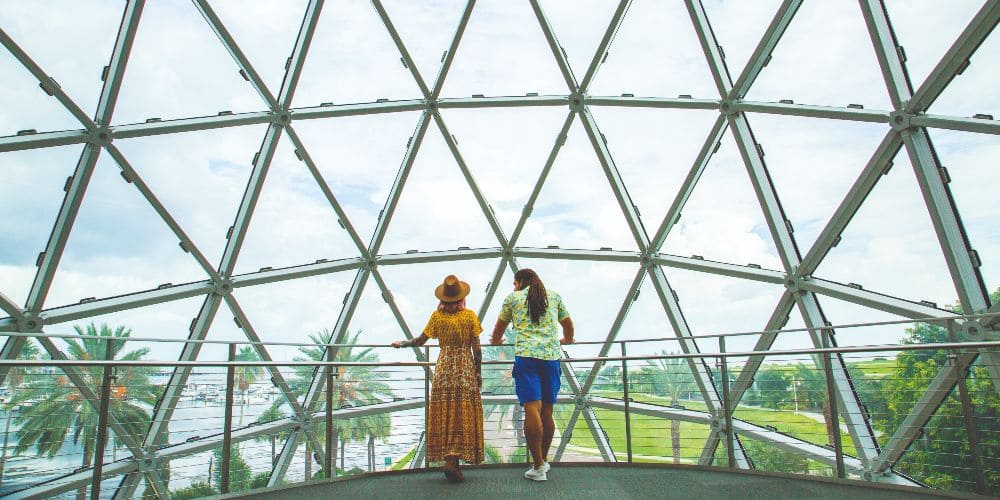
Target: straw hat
452,290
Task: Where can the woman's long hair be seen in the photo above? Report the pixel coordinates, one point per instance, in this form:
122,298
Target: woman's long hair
452,307
537,299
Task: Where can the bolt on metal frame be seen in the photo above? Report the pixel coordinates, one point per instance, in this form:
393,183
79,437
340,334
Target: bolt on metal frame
908,128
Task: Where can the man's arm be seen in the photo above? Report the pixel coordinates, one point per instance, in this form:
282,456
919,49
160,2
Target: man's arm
498,330
567,326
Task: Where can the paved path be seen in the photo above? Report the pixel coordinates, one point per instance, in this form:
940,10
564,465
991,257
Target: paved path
591,481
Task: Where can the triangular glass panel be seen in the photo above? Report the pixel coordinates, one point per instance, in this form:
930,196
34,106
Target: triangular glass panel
579,35
359,156
738,27
926,31
103,258
268,45
26,106
836,151
200,178
748,305
977,80
838,32
336,71
722,219
426,30
34,181
965,156
293,311
163,82
890,245
506,161
167,323
78,72
438,200
522,64
654,174
577,207
293,222
660,32
413,287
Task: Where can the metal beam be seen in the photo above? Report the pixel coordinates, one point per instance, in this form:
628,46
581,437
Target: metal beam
887,48
407,60
710,46
165,407
605,255
486,208
298,59
246,69
873,300
876,167
30,140
628,101
712,143
119,59
748,272
62,227
449,56
132,177
602,49
955,61
558,52
47,83
813,111
762,54
977,125
529,205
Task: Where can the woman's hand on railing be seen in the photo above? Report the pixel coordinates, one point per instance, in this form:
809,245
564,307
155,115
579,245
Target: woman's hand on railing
397,344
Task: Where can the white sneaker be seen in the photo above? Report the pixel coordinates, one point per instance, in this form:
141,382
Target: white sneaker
536,474
546,467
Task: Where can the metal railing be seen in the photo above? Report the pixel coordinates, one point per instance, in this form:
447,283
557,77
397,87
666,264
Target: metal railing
242,423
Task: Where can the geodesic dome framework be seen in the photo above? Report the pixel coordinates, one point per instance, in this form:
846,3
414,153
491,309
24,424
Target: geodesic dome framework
906,127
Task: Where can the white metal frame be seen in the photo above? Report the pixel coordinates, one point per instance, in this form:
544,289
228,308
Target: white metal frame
907,127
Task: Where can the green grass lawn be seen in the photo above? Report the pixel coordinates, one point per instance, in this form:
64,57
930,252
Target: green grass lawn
651,436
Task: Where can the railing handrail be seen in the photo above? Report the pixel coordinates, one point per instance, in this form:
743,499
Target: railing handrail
933,320
736,354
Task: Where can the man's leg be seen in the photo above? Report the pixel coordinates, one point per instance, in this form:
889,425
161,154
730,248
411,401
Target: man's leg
548,429
533,430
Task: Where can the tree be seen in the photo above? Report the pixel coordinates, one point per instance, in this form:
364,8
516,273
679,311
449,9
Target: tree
245,376
352,386
240,474
941,457
60,408
671,377
15,377
773,387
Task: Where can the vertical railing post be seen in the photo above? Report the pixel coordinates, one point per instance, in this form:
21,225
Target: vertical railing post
628,401
330,471
727,411
831,395
967,415
227,424
102,420
427,406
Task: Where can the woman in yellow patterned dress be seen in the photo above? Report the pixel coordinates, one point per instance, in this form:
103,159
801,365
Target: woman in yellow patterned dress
455,413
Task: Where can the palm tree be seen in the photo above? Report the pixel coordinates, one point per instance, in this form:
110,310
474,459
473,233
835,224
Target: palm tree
245,376
58,406
671,377
15,377
352,386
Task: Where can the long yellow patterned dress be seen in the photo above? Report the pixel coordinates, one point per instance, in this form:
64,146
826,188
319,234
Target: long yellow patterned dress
455,414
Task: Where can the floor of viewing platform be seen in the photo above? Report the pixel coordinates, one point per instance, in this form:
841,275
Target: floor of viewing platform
578,480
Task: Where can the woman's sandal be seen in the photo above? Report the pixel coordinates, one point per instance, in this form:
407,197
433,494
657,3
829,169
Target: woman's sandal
452,472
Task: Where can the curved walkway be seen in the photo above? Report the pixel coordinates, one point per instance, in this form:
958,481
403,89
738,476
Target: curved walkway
576,480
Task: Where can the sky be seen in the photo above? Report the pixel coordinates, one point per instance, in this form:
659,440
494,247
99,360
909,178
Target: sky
179,69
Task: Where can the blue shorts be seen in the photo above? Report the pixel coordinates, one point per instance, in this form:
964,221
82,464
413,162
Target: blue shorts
536,379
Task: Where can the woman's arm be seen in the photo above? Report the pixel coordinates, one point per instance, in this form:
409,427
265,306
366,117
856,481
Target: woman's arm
417,342
477,359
